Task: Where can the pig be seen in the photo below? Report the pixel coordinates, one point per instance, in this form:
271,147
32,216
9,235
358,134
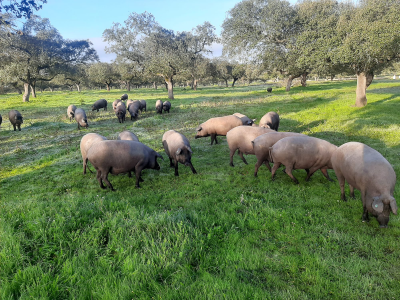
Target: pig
120,111
302,152
159,106
1,119
177,147
217,126
270,120
245,120
102,103
115,103
143,105
240,138
86,142
118,157
71,111
127,136
124,97
262,144
129,102
166,106
80,118
16,119
365,169
269,90
133,109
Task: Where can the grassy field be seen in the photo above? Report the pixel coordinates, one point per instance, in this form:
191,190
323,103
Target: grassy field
220,234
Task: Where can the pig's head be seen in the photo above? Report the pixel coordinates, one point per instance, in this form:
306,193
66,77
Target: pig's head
381,207
184,155
18,119
84,123
201,132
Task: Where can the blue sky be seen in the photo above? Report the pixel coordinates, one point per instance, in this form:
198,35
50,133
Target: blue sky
87,19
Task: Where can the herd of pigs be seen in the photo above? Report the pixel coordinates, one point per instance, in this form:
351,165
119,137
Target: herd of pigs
361,166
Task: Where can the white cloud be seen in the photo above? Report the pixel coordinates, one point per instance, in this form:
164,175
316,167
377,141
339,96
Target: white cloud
99,45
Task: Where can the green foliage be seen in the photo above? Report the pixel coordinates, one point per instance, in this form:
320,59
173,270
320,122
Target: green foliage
219,234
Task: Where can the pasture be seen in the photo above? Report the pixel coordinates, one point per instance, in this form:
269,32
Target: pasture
220,234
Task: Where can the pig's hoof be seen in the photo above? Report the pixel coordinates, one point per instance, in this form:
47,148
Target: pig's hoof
255,174
231,164
138,187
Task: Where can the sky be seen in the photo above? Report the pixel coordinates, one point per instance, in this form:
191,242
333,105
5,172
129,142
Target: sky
87,19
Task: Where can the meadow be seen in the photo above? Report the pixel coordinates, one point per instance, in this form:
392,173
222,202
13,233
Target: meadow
219,234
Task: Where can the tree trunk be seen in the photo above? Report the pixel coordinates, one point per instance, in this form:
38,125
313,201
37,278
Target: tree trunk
154,85
289,82
304,79
234,80
128,86
195,84
363,82
108,87
51,89
78,87
170,86
33,89
226,82
25,97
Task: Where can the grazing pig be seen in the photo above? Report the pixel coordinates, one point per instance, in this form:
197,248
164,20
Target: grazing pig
102,103
302,152
177,147
129,102
217,126
270,120
120,112
124,97
133,109
166,106
159,106
262,144
80,118
365,169
143,105
245,119
269,90
127,136
71,111
115,103
15,118
118,157
240,138
86,142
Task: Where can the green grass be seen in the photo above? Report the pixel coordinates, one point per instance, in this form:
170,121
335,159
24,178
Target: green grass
220,234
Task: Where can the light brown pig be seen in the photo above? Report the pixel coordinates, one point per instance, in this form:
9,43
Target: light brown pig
86,142
127,136
302,152
115,103
245,119
217,126
80,118
262,144
240,138
365,169
159,106
71,111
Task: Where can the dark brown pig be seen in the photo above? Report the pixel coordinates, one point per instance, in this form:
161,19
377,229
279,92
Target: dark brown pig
86,142
120,111
302,152
118,157
159,106
1,119
262,144
166,106
245,119
365,169
127,136
269,90
217,126
240,138
71,111
15,118
102,103
270,120
177,147
124,97
133,109
115,103
80,118
143,105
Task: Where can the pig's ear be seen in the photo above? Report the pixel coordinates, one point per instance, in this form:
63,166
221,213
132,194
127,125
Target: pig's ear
393,205
178,151
159,155
377,204
199,128
189,149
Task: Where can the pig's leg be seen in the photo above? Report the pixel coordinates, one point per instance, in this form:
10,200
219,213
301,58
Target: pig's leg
19,127
289,169
257,166
192,168
85,160
232,152
342,181
352,191
365,216
170,162
104,176
212,138
138,171
241,156
98,176
176,168
274,168
326,174
311,172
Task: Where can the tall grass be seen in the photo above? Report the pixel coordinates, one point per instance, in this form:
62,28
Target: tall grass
219,234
